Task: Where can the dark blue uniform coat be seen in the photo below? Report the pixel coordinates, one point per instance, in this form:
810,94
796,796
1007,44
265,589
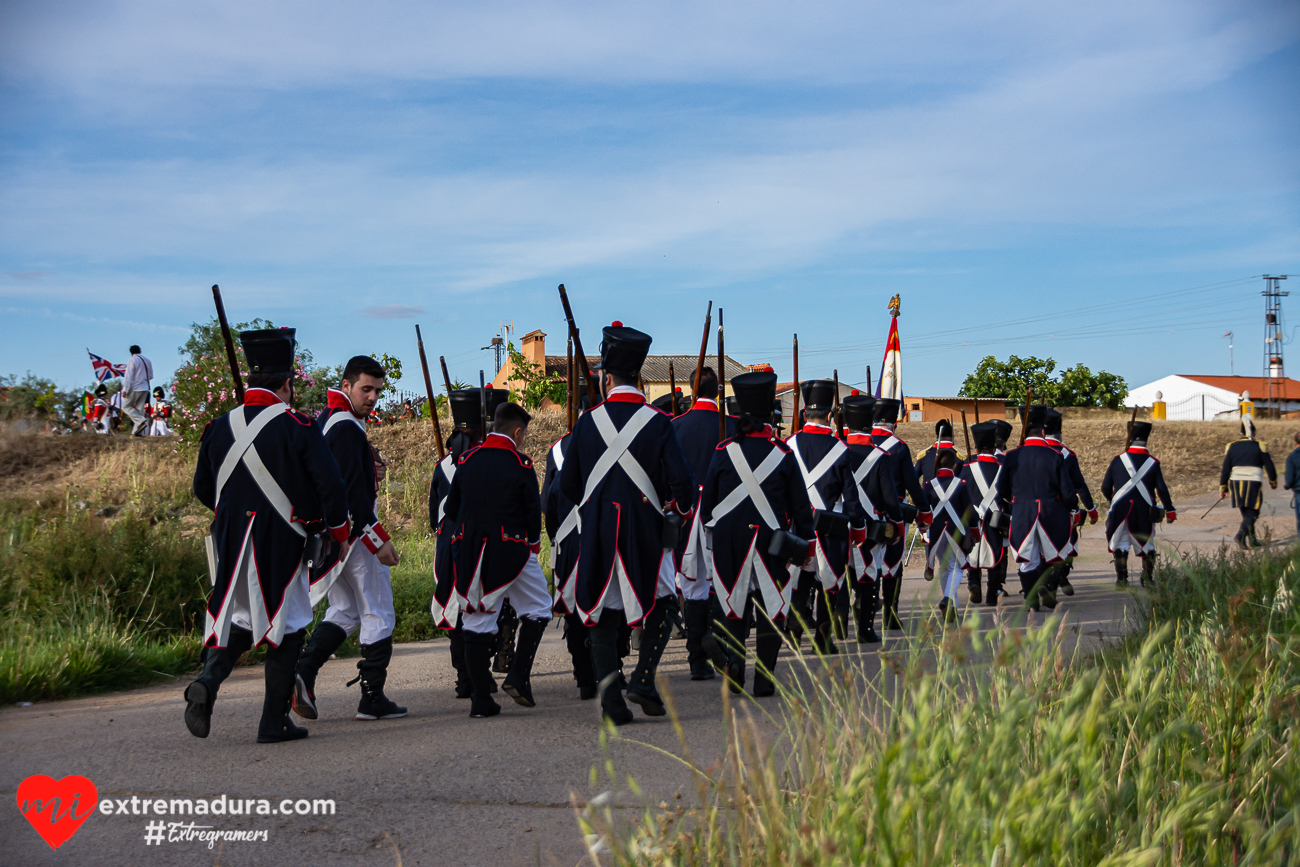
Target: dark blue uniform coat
249,534
445,607
1129,519
907,485
1037,484
740,538
878,496
835,490
561,528
990,543
622,529
697,434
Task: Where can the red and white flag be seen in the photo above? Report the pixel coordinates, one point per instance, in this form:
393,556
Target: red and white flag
891,370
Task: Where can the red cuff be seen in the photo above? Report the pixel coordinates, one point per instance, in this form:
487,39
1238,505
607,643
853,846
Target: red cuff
1092,513
678,509
535,547
374,537
340,533
857,536
1171,516
926,518
812,549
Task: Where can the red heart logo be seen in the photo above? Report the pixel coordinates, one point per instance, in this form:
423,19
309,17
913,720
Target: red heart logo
56,808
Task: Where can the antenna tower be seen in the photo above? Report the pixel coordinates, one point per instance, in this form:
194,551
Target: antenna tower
1274,369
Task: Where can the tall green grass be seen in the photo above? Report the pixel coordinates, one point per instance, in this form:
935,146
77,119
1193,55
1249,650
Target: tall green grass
1002,747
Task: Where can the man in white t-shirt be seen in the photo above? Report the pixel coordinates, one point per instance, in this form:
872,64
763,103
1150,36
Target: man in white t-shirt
135,391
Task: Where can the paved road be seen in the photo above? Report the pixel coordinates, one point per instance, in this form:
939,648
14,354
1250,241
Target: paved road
435,788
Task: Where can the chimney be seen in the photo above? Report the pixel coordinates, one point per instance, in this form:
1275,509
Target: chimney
533,347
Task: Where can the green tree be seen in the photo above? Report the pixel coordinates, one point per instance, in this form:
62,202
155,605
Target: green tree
1076,386
36,397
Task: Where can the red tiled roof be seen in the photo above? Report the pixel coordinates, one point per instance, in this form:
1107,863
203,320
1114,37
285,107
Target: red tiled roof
1256,385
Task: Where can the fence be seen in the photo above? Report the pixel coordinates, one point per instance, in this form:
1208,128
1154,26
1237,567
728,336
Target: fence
1201,407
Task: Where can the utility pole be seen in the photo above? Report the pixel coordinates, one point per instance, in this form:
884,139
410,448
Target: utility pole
1231,370
1274,368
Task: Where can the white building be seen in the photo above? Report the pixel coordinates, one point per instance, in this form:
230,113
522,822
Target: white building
1190,397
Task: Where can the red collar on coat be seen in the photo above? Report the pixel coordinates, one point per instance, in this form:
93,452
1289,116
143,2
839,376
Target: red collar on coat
337,399
261,397
628,397
944,474
765,434
944,444
499,441
1138,450
882,431
705,403
860,438
813,427
1037,441
988,459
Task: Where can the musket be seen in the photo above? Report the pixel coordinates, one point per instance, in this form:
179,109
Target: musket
977,411
593,396
795,426
837,409
868,379
569,387
672,391
428,388
722,384
1211,509
482,407
230,344
446,382
966,431
1024,416
1129,441
704,347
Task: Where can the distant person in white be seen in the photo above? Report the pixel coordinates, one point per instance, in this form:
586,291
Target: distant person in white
135,391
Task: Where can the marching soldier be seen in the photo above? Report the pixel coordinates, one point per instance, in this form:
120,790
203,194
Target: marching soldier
946,553
1061,575
942,442
824,463
562,528
1002,433
626,472
494,505
100,416
466,406
752,492
267,473
981,475
1130,481
698,435
1245,461
360,587
907,485
872,472
1036,482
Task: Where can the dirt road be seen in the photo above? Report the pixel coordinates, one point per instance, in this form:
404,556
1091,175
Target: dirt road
435,788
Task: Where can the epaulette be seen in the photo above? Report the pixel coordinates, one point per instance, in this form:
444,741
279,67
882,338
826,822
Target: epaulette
465,455
300,418
783,446
561,439
524,459
1263,446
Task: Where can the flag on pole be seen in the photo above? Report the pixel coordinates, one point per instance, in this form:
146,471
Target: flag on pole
104,369
891,370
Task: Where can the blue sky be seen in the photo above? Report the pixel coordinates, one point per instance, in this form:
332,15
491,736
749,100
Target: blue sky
1101,183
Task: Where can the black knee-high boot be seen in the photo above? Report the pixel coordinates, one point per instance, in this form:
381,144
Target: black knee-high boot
373,668
456,640
697,626
997,580
479,648
865,611
973,586
324,641
1121,568
767,646
1038,593
518,684
604,636
201,694
891,588
576,639
1062,577
655,630
281,672
1149,570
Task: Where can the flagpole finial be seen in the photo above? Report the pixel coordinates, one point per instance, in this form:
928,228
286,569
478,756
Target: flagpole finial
895,306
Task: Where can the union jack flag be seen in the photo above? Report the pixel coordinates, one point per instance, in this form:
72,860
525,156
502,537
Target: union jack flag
105,369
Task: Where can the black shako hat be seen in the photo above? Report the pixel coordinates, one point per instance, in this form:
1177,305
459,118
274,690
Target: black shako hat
943,430
857,411
623,350
269,350
1037,417
985,434
1052,426
666,403
466,405
754,395
733,406
1141,430
818,394
1003,428
101,390
158,392
886,410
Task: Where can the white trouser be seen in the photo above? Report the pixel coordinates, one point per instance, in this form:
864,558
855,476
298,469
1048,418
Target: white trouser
158,428
696,590
665,586
295,612
527,594
362,596
952,577
1035,553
